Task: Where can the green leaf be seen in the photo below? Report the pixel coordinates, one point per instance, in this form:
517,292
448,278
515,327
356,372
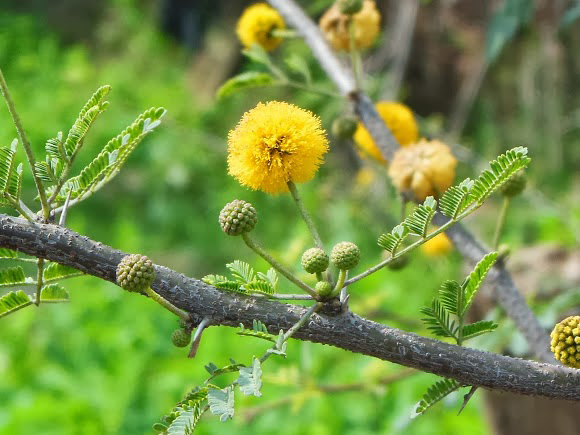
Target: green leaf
478,328
11,276
186,421
571,15
438,320
54,292
221,402
110,160
452,200
435,393
259,331
241,271
250,379
8,253
421,217
13,301
260,287
54,271
452,297
224,283
247,80
257,53
271,276
392,241
295,62
504,25
502,169
10,175
475,279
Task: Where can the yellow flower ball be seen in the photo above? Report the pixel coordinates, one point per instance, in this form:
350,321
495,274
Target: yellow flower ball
275,143
335,26
437,246
565,342
256,24
400,120
424,169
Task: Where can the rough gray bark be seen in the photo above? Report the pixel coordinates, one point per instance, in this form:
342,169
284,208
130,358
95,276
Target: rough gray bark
346,331
507,294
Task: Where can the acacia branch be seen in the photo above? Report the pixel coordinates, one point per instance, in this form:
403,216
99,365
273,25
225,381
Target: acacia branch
343,330
507,294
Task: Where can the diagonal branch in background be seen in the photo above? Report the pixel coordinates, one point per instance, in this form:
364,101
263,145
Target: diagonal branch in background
508,296
346,331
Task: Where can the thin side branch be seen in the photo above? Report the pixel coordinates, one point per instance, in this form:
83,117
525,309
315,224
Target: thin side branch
346,330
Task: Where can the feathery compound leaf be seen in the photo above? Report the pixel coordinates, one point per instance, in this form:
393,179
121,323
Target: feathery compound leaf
54,271
271,276
435,393
85,120
478,328
250,379
13,301
221,402
247,80
241,271
475,279
259,331
438,320
10,175
224,283
392,241
452,200
186,421
110,160
451,296
502,169
421,217
54,292
260,287
11,276
8,253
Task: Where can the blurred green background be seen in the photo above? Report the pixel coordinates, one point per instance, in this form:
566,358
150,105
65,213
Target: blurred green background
104,363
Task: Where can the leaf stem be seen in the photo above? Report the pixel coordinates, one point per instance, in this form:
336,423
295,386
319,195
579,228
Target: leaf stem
312,89
262,253
501,222
305,215
307,315
166,304
39,280
340,283
355,55
26,144
285,33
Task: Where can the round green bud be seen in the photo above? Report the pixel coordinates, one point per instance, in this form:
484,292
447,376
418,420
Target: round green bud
349,7
315,260
135,273
238,217
345,255
565,342
344,127
180,338
515,185
323,288
399,263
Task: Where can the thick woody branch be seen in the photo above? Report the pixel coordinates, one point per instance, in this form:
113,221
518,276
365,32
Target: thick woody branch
507,293
346,331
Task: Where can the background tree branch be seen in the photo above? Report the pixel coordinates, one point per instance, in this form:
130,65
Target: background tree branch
346,331
507,294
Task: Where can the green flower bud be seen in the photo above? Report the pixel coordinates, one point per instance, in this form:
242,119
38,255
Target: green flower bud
180,338
566,341
344,127
349,7
345,255
238,217
135,273
315,260
323,288
515,185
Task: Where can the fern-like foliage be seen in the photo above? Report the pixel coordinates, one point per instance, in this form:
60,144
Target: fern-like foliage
11,276
259,330
13,301
224,283
451,203
221,402
435,393
55,271
186,421
241,271
54,293
8,253
245,280
418,221
473,282
501,170
10,175
193,401
393,240
438,320
476,329
110,160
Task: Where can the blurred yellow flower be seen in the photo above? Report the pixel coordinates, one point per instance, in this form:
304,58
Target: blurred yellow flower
256,24
335,26
275,143
400,120
423,169
437,246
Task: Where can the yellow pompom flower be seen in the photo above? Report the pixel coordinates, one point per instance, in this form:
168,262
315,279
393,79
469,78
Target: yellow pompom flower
424,169
566,341
400,120
437,246
335,26
256,24
275,143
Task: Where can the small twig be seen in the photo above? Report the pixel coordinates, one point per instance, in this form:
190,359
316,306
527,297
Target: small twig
305,215
500,222
166,304
282,296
